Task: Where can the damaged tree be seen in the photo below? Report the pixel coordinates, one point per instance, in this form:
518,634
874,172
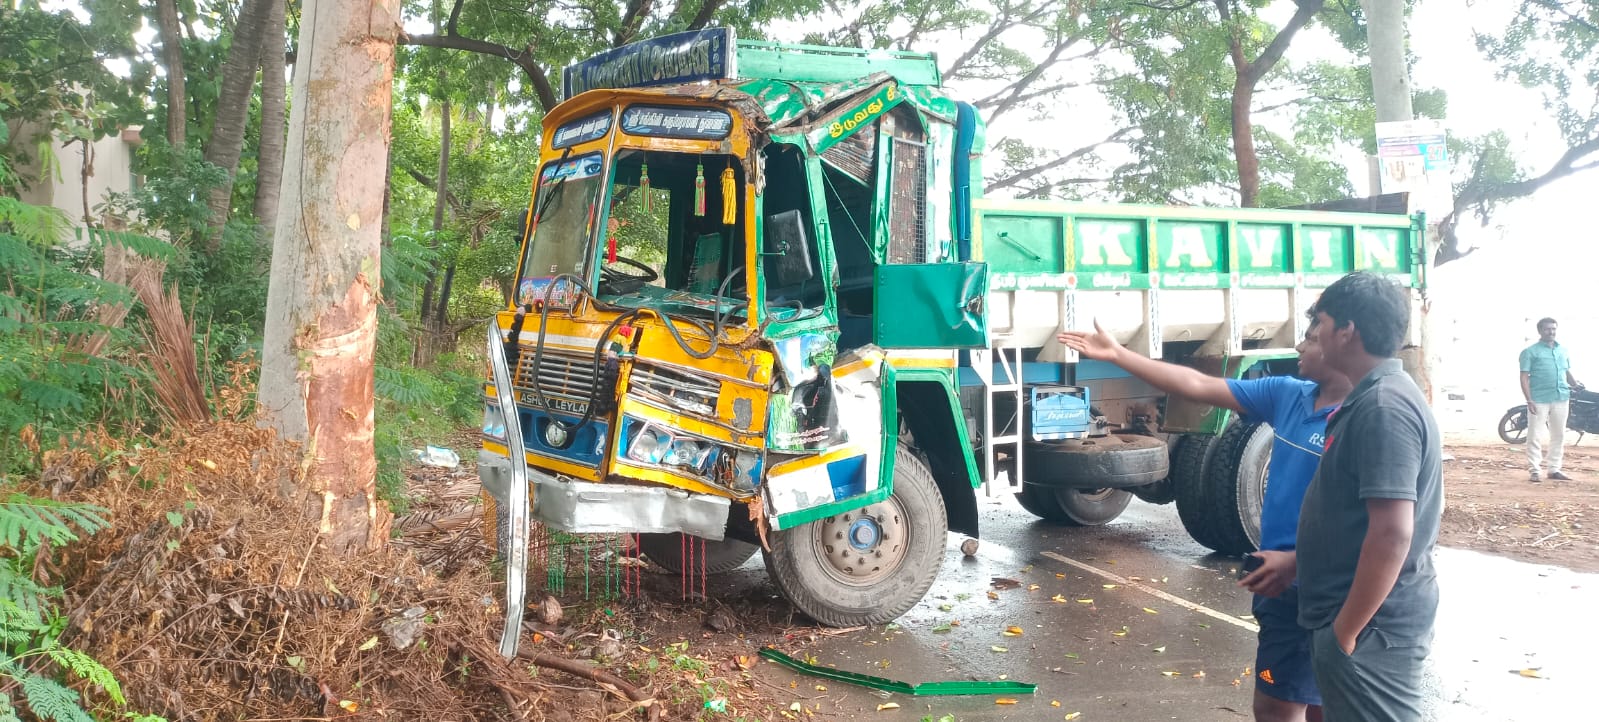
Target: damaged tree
321,319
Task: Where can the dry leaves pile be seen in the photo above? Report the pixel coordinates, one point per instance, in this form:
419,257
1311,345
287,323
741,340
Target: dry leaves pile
210,598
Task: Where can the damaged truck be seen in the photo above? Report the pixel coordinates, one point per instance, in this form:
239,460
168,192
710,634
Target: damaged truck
762,307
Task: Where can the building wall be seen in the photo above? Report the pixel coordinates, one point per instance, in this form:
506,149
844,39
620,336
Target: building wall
60,181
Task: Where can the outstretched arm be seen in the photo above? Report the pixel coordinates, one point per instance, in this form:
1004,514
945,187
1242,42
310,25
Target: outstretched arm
1168,377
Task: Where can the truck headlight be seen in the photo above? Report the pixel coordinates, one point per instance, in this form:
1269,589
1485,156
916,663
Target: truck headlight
651,446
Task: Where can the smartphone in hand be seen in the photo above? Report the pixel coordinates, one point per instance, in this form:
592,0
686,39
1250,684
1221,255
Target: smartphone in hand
1251,563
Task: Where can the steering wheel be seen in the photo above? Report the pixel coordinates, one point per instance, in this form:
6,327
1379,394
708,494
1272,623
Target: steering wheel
620,281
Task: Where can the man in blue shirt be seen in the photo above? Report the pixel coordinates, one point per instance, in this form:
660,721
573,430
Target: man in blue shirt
1297,409
1546,383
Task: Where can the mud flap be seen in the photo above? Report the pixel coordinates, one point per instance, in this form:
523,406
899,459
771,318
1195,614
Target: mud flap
516,502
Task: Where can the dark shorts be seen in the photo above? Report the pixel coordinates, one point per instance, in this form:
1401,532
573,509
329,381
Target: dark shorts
1282,656
1380,682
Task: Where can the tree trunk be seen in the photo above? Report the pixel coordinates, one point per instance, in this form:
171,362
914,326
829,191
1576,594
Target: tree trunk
1244,144
269,164
233,108
1390,91
321,319
172,58
427,342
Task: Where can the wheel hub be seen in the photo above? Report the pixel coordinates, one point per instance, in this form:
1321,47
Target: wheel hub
863,546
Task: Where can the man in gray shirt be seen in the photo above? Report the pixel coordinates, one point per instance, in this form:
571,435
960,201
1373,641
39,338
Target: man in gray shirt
1370,604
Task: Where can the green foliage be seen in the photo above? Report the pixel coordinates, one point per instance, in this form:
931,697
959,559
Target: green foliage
30,628
27,523
52,73
54,376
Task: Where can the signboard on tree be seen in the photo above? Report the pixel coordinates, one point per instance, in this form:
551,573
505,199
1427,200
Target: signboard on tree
1412,157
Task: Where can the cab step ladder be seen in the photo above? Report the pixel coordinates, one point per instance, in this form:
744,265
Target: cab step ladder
1000,370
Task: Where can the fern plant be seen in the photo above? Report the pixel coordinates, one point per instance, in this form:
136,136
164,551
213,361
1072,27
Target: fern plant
31,655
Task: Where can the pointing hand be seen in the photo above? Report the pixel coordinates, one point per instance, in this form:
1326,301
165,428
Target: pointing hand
1097,345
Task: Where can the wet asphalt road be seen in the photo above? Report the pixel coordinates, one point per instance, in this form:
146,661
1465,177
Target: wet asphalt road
1134,621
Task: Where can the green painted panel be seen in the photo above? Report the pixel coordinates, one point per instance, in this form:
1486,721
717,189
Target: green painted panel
1110,245
1384,250
821,64
1326,253
931,305
1191,246
1024,244
1264,255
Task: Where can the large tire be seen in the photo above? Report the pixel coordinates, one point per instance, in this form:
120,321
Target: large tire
1040,501
1117,461
1074,507
1190,457
666,550
1222,511
869,565
1092,507
1513,425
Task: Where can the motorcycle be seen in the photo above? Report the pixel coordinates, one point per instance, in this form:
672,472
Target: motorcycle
1583,419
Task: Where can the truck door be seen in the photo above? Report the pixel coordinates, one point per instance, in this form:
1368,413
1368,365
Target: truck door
931,305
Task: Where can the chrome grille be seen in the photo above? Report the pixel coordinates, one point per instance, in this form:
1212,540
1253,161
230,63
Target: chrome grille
677,388
561,375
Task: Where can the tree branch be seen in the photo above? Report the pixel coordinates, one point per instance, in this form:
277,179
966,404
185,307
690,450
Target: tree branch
1556,7
523,59
706,14
1304,100
455,16
1035,171
1477,195
631,22
1274,51
426,181
1002,22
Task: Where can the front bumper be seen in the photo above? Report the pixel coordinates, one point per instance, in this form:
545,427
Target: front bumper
581,507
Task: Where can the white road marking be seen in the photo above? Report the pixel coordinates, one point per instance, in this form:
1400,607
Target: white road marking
1174,599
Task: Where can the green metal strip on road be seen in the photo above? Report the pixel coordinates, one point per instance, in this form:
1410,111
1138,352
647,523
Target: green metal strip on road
925,689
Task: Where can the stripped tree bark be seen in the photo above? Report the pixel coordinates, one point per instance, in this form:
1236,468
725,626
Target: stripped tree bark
321,319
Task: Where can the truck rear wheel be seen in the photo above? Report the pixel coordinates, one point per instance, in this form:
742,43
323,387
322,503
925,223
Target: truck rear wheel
1074,507
867,565
1219,498
666,550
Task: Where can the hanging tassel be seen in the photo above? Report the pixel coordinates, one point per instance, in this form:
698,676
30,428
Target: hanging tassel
644,187
729,203
699,189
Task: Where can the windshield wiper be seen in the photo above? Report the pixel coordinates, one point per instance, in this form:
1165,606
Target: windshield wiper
550,195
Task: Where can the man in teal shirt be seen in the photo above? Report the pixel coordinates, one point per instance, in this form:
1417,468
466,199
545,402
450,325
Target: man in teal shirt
1546,382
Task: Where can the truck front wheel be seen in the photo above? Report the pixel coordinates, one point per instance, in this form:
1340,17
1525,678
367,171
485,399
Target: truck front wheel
1222,510
868,565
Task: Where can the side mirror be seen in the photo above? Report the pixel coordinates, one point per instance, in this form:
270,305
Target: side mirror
787,248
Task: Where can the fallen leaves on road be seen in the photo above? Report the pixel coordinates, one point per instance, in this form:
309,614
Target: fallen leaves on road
998,649
1013,631
1004,700
887,706
1074,715
1151,611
